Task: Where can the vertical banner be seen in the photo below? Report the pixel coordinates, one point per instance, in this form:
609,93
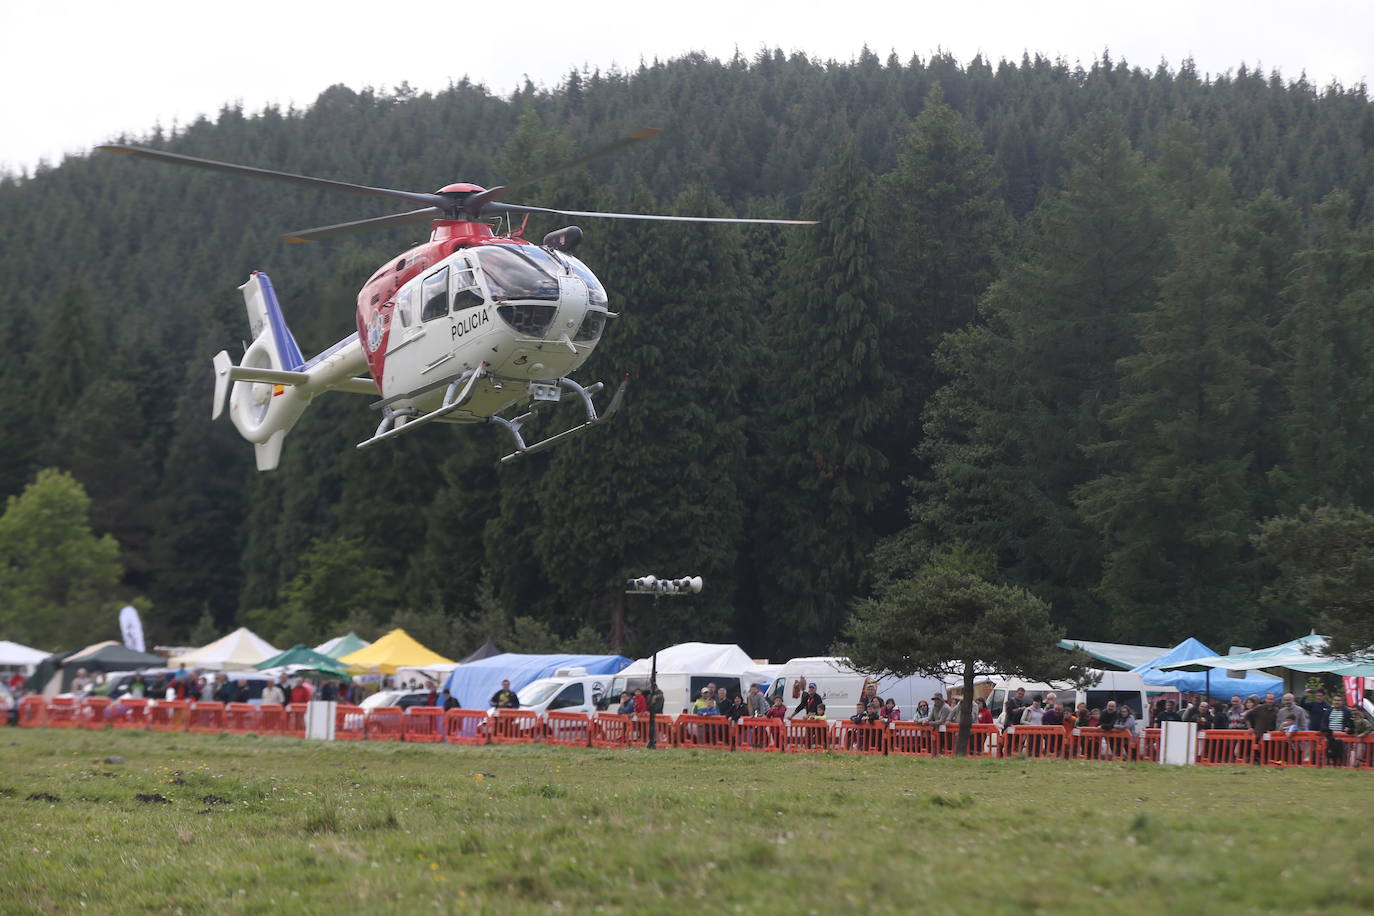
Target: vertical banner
131,628
1354,690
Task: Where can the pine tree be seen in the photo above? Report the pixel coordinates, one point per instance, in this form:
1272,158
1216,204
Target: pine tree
832,405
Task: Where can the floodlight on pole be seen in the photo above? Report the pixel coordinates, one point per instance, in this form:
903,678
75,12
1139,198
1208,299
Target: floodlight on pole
676,588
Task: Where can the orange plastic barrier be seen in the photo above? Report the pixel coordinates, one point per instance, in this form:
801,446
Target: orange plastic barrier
1220,747
207,718
293,720
610,729
758,734
1149,745
1103,744
868,738
129,713
93,710
911,739
466,726
240,718
806,736
703,731
514,726
1353,752
33,712
63,712
663,731
271,718
349,723
169,716
568,729
1034,741
385,723
424,724
1293,749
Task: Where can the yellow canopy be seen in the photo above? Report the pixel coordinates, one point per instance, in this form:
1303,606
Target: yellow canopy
394,650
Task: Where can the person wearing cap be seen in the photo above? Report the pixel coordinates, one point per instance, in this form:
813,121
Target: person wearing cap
939,712
705,705
809,701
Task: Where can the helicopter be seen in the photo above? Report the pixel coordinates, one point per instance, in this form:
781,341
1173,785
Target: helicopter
462,329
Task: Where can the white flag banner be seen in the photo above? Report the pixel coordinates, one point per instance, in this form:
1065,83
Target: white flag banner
131,628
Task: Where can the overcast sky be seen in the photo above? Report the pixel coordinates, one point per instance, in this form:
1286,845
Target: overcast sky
76,72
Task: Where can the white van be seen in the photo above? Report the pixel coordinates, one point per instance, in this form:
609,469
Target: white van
569,690
840,686
680,689
1122,686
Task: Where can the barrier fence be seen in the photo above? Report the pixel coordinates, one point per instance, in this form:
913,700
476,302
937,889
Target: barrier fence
430,724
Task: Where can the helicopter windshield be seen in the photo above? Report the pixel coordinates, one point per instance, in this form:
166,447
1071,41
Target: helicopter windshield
596,293
516,273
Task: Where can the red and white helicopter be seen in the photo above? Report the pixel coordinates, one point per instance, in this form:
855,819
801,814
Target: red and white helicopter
456,330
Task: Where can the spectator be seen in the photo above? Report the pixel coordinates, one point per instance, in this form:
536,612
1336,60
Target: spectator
1291,717
1262,717
982,715
505,698
1034,714
1080,714
939,712
1190,710
300,693
656,701
1011,713
1318,709
1126,720
860,716
1169,714
819,714
1338,721
1106,720
890,711
922,714
244,693
1092,719
1053,714
1070,720
738,709
809,702
778,710
1235,714
627,705
758,703
272,694
705,704
641,702
450,701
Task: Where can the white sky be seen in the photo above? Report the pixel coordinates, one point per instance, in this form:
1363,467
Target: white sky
74,73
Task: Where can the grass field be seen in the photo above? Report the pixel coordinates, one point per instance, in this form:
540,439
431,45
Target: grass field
236,824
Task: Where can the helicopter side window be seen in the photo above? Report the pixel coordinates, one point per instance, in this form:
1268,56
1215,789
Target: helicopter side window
513,275
403,305
596,293
465,291
434,294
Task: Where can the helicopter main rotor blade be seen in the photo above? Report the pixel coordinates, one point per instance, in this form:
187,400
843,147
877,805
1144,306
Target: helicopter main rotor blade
517,208
477,201
248,171
361,225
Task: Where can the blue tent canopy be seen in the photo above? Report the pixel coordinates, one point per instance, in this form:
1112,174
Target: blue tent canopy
1219,684
474,683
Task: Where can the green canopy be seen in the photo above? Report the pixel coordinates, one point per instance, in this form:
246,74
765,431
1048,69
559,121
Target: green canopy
342,645
300,654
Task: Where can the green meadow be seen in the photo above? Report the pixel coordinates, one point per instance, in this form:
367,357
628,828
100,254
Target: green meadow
116,822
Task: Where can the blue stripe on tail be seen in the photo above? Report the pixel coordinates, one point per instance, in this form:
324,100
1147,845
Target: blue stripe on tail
288,351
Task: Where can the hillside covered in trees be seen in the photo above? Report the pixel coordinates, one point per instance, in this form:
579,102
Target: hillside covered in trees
1098,323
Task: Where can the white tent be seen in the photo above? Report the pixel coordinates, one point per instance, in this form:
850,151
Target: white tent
240,649
696,658
13,655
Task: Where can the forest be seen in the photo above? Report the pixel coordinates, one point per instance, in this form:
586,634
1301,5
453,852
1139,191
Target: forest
1097,323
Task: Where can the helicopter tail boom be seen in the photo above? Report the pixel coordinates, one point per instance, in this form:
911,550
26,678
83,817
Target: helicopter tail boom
272,386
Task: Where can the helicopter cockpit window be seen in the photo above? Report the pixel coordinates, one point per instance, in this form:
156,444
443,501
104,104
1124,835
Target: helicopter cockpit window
596,293
434,294
404,297
514,273
465,291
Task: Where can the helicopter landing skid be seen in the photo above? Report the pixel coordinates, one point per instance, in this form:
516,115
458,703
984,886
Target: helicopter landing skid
403,419
521,449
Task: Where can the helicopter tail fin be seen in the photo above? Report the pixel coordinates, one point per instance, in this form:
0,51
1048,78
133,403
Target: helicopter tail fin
270,388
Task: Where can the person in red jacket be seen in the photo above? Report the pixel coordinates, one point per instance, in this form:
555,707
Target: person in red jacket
300,693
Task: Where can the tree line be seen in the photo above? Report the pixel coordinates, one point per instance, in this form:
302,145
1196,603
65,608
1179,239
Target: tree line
1094,324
